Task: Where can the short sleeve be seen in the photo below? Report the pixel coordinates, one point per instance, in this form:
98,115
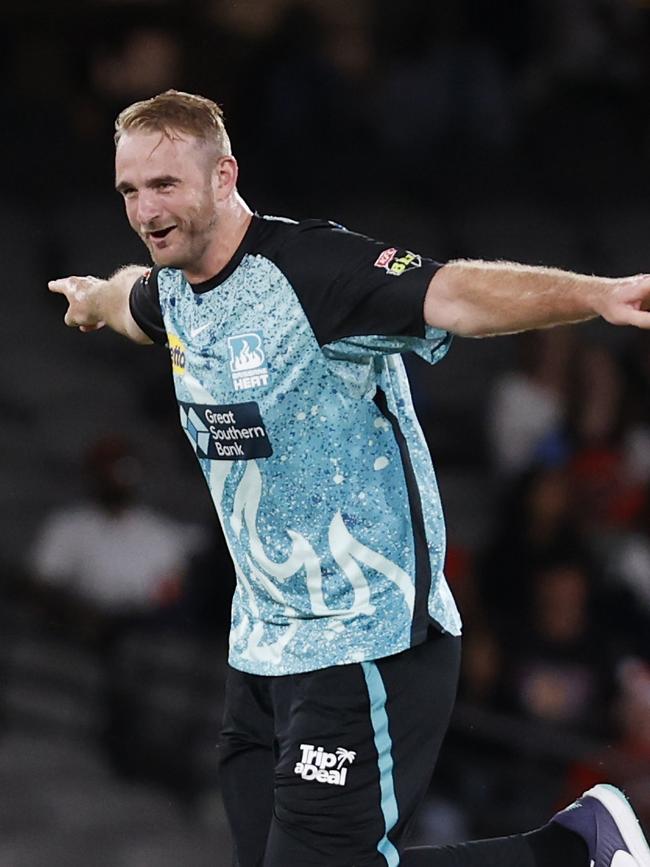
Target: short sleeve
432,347
361,295
144,304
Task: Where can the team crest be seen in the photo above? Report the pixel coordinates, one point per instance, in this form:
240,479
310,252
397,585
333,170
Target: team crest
247,361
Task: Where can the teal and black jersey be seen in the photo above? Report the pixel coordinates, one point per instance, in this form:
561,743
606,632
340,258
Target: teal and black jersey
295,400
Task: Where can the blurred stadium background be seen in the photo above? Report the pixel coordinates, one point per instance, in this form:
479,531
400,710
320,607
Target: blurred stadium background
455,128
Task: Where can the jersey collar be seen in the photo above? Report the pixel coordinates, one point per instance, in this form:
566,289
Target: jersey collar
246,244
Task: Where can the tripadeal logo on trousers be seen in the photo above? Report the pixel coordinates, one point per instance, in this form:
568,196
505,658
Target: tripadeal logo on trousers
322,767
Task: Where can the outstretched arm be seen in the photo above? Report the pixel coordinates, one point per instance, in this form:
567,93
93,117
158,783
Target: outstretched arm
94,303
477,299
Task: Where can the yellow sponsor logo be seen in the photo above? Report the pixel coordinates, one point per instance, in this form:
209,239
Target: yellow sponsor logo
178,353
403,263
396,262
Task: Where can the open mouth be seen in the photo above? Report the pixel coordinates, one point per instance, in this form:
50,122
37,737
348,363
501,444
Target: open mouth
159,234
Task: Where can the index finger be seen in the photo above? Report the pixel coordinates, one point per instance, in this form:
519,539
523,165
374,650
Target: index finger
58,285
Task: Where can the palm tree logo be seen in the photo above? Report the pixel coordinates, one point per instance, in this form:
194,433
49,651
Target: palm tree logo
345,756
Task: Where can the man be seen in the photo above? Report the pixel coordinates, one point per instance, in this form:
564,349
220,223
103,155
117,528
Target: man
284,341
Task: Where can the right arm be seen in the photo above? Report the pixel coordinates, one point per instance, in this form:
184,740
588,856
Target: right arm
93,303
477,299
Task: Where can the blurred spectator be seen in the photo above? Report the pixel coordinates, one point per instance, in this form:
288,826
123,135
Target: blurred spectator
629,561
587,39
607,494
482,673
132,59
626,761
254,18
637,438
528,404
110,561
559,665
482,663
626,567
290,104
109,571
537,526
145,61
444,88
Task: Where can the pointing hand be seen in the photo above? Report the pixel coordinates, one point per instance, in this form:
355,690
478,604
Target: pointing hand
81,294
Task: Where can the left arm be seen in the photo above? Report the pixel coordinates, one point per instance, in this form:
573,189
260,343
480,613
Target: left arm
478,299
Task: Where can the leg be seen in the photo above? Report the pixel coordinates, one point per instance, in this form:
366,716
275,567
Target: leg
515,851
421,690
599,829
357,746
246,761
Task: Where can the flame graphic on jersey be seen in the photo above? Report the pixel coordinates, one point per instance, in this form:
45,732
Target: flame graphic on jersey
247,358
269,575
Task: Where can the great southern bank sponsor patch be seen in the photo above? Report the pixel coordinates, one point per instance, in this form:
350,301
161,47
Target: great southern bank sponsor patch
247,361
233,432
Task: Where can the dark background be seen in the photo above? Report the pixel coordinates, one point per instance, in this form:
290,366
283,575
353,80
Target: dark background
457,129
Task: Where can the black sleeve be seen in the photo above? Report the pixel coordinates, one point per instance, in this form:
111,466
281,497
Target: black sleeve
351,286
144,304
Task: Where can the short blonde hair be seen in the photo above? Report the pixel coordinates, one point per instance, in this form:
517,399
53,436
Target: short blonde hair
175,111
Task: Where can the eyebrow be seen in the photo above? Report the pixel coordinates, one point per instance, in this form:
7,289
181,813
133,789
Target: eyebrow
151,182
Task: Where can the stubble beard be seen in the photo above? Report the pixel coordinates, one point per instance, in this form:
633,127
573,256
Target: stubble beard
193,245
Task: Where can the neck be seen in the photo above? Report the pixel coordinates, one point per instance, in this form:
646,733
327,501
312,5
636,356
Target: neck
234,221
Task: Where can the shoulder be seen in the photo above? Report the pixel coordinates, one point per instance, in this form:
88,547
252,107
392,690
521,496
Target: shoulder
162,278
315,254
277,237
286,227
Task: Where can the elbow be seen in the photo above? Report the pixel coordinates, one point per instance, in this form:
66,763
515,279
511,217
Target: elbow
441,304
447,307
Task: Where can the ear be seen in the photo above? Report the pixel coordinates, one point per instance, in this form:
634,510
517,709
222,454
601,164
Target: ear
224,177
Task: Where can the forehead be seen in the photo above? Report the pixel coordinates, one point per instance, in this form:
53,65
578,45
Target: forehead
142,154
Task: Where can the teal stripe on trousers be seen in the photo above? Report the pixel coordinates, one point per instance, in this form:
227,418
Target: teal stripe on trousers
384,745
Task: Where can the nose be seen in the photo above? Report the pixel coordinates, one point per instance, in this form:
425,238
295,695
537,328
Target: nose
147,208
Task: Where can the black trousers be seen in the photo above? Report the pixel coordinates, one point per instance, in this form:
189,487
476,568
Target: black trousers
327,768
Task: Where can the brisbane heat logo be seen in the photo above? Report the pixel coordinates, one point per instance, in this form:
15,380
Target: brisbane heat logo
247,361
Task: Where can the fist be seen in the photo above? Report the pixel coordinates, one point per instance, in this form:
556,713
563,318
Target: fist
628,303
81,294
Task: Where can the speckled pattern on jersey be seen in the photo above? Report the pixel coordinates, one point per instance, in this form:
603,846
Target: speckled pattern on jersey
319,528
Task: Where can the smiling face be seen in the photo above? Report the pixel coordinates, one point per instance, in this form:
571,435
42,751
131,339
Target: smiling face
170,186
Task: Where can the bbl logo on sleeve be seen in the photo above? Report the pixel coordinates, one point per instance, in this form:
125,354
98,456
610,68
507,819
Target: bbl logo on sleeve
397,262
247,361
